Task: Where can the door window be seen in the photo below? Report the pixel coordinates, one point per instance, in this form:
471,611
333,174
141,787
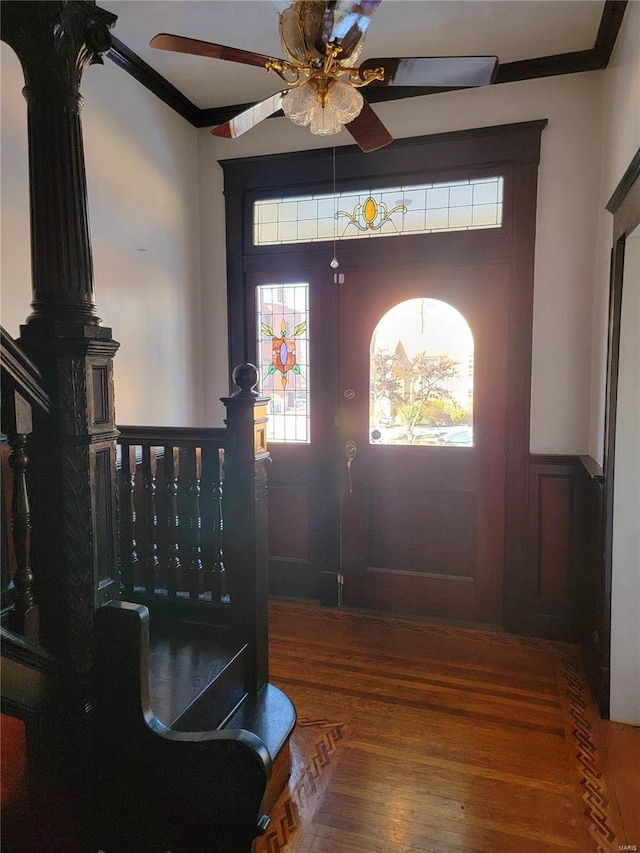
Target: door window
418,209
421,376
282,312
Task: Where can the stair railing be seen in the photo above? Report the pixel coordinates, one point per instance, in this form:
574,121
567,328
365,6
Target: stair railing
22,396
192,519
170,513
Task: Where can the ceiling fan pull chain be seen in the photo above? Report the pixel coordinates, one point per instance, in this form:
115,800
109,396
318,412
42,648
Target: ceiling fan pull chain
335,263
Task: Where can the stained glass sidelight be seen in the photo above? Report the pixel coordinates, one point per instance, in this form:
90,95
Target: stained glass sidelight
421,376
422,209
282,312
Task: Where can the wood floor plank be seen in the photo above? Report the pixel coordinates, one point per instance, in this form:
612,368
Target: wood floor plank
449,740
621,762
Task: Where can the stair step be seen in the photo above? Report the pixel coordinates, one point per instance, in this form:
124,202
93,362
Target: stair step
197,674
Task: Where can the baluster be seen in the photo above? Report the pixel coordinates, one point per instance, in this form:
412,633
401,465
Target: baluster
174,566
128,545
211,541
151,563
219,526
193,462
23,618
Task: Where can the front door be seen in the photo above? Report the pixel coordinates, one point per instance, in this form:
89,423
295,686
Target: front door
422,415
435,237
388,435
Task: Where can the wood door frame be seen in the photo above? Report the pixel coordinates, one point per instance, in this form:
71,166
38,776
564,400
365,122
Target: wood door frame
624,204
513,148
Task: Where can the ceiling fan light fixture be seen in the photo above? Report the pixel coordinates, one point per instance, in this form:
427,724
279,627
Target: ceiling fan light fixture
326,110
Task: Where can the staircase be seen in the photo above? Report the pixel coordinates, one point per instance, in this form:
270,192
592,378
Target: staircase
134,607
175,739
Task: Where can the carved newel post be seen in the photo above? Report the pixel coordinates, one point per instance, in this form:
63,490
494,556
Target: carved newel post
245,504
72,472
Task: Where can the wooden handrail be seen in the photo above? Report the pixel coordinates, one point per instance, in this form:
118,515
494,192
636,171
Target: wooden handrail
20,374
172,436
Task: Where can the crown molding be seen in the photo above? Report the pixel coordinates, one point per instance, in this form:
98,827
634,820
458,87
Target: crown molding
130,62
594,59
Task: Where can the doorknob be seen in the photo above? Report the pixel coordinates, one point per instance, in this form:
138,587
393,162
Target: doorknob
350,451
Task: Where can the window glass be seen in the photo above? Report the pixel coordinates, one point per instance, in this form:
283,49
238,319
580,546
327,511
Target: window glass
454,206
421,376
283,358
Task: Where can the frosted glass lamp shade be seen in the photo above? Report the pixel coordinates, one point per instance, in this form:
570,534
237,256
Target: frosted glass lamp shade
302,106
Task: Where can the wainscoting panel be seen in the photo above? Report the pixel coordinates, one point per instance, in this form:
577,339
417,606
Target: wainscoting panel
553,546
562,597
593,593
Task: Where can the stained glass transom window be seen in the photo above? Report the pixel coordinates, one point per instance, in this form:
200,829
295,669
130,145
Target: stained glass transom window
423,209
421,376
282,312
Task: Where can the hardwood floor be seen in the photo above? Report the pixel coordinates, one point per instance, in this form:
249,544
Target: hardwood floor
422,737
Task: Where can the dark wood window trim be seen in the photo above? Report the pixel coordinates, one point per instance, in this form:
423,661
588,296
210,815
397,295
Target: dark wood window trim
593,59
510,150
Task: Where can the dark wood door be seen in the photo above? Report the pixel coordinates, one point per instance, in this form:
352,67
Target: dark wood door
303,495
422,525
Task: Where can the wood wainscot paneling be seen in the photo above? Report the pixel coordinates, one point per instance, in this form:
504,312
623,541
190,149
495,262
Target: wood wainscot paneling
552,546
591,594
289,559
562,598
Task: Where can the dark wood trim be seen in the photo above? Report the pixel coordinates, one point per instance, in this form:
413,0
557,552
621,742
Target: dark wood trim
27,653
311,171
626,182
590,602
548,66
591,467
592,59
131,63
610,23
246,178
21,372
173,436
625,203
510,150
517,595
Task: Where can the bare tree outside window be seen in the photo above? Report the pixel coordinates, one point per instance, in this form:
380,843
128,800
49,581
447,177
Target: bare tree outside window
421,394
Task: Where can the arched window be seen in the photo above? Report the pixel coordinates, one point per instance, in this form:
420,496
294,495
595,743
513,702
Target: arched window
421,376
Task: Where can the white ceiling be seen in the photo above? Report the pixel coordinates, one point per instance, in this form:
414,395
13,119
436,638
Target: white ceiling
509,29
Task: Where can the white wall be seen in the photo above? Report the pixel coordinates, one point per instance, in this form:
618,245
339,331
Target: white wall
15,260
142,178
215,352
620,142
625,603
567,215
145,193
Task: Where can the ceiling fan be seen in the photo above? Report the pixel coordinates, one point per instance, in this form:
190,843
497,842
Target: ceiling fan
323,40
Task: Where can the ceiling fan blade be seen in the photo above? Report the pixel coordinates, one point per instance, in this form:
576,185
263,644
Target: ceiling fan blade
440,71
195,47
345,22
249,118
368,131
